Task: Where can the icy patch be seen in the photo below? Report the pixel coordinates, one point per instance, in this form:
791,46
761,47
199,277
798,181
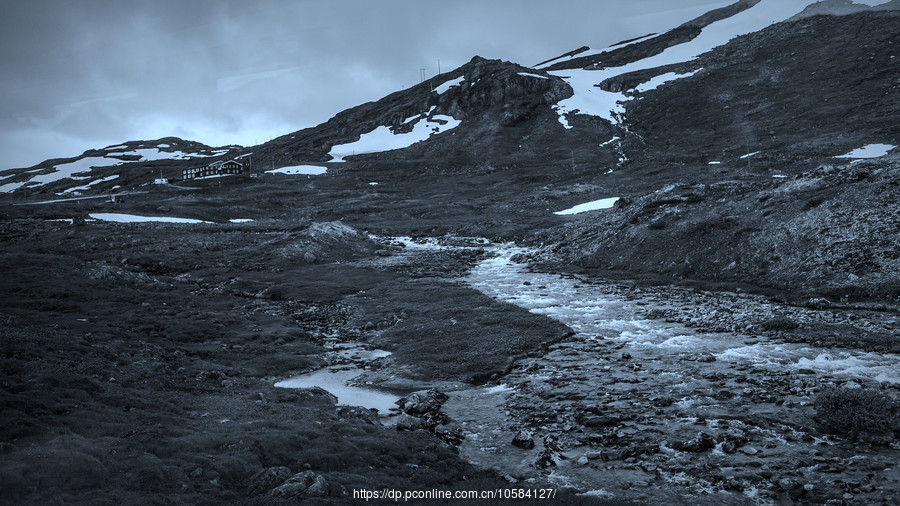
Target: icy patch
307,170
589,206
659,80
869,151
449,84
383,139
240,220
538,76
133,218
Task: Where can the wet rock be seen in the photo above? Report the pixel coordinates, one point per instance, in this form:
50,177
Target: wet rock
268,479
703,442
523,439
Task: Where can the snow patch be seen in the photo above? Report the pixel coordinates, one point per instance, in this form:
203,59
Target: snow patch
526,74
10,187
307,170
614,139
748,155
133,218
92,183
240,220
383,139
449,84
869,151
589,206
659,80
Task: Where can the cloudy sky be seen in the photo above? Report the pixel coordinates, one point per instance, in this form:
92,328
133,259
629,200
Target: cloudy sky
76,75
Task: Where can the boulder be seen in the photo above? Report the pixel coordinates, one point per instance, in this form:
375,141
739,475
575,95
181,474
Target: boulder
306,484
523,439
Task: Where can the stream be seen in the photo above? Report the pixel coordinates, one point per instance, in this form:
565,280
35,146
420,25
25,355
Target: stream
608,404
649,410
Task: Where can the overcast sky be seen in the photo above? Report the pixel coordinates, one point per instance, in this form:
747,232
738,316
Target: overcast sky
85,74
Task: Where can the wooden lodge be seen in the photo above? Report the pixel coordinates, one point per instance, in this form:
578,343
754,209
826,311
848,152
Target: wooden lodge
221,168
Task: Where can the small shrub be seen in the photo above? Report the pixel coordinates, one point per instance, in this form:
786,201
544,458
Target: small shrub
859,413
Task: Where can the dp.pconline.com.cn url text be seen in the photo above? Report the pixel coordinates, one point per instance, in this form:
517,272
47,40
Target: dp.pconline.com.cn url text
415,495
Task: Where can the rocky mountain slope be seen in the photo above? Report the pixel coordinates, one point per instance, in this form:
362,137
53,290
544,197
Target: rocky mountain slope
737,120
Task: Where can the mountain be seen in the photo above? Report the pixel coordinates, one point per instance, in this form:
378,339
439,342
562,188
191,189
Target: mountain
126,165
724,138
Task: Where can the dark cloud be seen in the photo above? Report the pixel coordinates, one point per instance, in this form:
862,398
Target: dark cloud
79,75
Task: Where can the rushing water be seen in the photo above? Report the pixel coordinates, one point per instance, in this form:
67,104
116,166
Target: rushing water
659,382
667,381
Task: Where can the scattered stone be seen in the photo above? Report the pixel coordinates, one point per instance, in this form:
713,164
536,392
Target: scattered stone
268,479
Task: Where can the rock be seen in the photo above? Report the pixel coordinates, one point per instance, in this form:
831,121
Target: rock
409,423
701,443
423,403
523,439
818,303
550,454
309,257
307,484
267,479
601,421
582,461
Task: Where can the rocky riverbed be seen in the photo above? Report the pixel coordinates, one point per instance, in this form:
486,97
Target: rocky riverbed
674,395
